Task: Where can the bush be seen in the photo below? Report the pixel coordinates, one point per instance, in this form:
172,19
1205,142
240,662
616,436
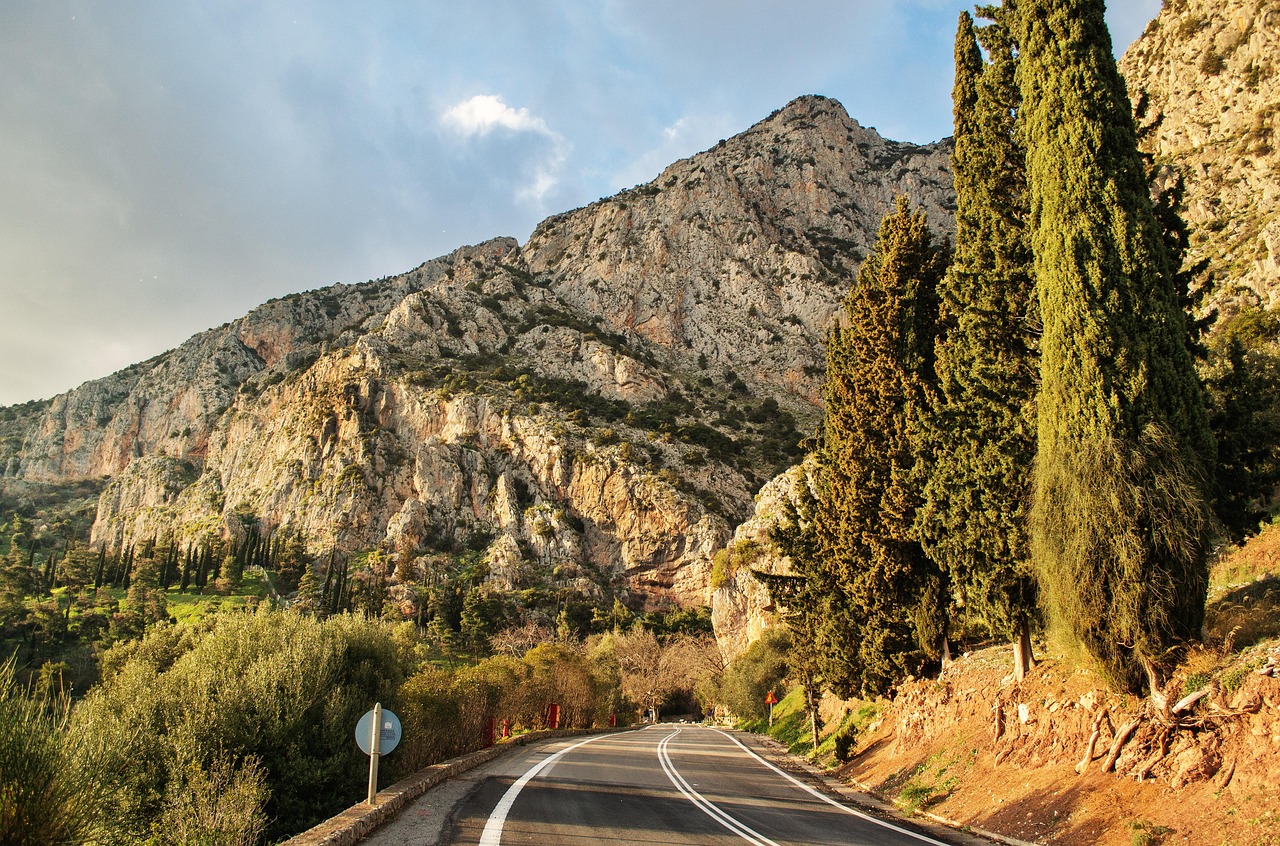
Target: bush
275,685
845,742
48,787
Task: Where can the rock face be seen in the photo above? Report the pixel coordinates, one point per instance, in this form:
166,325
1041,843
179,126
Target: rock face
742,608
1212,71
596,407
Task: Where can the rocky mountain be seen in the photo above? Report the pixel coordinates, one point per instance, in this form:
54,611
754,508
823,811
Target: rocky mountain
593,411
1211,71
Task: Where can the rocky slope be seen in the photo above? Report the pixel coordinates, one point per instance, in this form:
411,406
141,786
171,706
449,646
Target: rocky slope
597,407
1211,71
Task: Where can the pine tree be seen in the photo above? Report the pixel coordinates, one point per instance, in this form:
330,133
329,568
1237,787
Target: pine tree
876,627
981,431
1119,521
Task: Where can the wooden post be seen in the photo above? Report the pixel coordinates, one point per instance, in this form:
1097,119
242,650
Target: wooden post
375,744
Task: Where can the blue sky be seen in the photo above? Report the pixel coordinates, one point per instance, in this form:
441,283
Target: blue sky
165,166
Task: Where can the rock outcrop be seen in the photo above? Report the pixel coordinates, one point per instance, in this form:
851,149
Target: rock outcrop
598,406
1211,73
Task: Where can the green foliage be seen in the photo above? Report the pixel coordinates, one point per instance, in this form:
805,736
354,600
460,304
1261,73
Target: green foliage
870,620
1242,387
731,559
1119,522
981,429
446,713
277,691
47,785
217,805
754,674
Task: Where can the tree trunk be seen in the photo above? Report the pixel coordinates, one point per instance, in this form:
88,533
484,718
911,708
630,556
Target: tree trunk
1023,660
1155,686
813,719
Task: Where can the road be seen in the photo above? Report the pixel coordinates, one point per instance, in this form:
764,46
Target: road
666,784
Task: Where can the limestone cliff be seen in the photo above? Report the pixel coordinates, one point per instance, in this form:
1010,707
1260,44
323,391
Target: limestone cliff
1211,71
598,406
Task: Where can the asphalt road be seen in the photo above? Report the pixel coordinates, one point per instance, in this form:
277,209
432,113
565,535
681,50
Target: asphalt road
666,784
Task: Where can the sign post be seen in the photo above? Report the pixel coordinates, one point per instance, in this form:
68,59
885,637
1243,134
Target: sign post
377,733
771,700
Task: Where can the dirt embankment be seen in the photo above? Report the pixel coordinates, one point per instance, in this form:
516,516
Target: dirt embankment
1039,761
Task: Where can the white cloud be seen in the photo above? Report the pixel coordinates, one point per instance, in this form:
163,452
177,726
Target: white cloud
484,112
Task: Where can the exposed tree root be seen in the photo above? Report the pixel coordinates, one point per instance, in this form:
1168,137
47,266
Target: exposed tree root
1093,740
1122,737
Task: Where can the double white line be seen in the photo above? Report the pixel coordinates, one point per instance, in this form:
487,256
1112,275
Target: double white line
736,826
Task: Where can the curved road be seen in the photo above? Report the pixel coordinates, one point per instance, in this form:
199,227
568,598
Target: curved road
666,784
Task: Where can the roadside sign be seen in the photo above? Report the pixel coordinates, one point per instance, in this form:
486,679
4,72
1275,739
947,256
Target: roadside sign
391,732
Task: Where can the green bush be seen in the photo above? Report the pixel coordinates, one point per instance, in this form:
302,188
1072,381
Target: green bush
274,686
48,787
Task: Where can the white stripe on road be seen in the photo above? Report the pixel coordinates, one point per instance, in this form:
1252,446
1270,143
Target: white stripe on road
736,826
830,801
492,835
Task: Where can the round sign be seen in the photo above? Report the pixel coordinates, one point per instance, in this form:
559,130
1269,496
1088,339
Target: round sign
391,732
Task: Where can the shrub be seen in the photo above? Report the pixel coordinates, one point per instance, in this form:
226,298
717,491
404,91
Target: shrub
277,685
48,787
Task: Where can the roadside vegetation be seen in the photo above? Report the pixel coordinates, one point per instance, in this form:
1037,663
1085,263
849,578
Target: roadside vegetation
163,695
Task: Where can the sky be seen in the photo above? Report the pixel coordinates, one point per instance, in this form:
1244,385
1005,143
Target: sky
166,166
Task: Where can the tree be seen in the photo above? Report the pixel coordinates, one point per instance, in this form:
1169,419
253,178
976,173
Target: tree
649,676
879,618
815,612
1119,522
1242,387
981,430
756,673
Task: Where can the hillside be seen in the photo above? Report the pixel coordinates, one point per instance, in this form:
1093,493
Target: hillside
593,410
976,748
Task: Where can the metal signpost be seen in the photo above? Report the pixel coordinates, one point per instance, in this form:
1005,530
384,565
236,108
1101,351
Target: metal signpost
377,734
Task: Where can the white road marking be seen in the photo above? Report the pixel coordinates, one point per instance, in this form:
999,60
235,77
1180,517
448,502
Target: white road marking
825,798
709,808
492,834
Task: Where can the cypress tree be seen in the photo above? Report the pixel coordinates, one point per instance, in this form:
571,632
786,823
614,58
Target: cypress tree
1119,521
982,428
884,618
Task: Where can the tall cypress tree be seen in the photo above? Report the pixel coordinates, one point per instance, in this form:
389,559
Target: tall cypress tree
1119,522
885,610
982,428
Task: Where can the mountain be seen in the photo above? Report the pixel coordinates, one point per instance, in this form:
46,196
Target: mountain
593,411
1211,74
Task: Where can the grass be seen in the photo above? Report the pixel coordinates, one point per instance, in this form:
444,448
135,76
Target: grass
1244,594
192,607
790,724
928,783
